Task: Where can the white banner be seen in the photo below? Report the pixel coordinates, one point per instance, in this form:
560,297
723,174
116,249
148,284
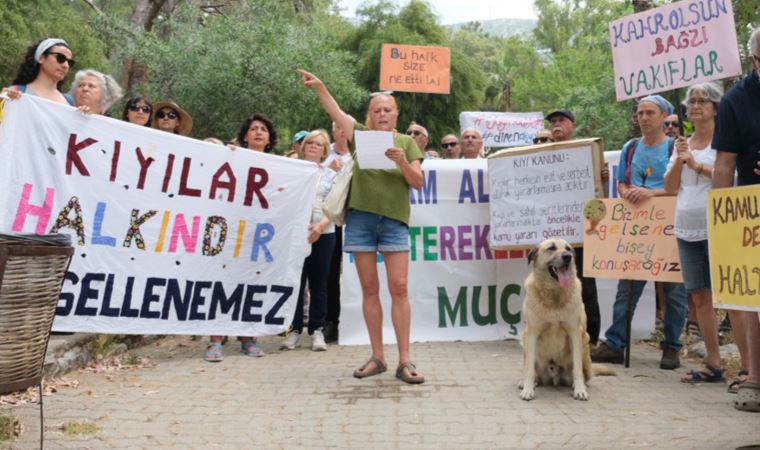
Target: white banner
501,129
459,289
172,235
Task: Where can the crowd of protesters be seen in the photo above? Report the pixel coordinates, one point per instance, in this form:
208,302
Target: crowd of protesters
661,162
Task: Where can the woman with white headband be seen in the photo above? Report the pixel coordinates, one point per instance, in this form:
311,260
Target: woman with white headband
45,66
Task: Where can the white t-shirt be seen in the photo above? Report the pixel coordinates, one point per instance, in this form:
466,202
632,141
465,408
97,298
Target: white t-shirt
324,185
333,154
691,205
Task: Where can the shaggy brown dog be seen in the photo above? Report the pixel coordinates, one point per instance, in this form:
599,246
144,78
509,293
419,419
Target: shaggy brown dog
555,341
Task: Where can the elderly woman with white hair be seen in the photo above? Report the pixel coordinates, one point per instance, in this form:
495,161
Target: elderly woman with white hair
689,174
94,92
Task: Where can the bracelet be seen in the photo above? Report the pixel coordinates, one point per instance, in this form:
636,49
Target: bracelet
700,169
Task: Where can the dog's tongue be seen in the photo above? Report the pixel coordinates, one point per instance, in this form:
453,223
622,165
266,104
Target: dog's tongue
563,278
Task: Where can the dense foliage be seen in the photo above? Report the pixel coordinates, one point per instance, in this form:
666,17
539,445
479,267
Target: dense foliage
225,62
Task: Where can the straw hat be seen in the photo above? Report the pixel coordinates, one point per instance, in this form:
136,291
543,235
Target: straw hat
185,121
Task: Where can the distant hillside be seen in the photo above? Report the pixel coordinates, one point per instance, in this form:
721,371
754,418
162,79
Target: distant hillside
503,27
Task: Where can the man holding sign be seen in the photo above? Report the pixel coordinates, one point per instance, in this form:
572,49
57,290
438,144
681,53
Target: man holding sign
641,173
737,138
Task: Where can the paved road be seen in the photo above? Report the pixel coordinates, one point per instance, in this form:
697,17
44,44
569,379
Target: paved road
303,399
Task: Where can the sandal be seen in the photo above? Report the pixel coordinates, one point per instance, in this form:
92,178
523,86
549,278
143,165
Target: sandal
214,352
709,374
736,383
362,371
692,327
748,397
407,373
251,348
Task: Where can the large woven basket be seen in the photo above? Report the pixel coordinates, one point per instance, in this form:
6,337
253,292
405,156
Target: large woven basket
31,273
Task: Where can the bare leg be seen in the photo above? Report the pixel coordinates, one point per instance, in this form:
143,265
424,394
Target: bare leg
752,332
705,314
740,335
366,267
397,267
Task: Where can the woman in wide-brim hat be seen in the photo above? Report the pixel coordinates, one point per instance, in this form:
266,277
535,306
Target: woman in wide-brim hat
171,118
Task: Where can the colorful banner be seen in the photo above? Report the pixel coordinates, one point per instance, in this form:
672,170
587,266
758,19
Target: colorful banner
733,221
415,68
676,45
172,235
501,129
459,289
631,242
538,193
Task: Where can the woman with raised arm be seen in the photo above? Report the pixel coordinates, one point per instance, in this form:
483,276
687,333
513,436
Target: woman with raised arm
377,221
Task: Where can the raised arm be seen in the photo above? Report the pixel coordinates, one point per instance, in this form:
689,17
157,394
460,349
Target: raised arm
341,119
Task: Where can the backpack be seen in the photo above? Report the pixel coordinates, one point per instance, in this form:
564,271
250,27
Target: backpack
630,149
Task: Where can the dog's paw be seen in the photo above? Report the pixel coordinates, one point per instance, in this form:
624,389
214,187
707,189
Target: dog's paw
528,394
580,394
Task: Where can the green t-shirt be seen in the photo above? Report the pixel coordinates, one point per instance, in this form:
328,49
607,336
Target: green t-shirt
383,192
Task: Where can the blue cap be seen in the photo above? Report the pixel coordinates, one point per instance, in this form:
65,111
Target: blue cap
299,136
664,105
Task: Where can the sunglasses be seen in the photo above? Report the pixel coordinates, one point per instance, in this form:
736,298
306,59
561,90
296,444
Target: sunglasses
145,109
413,132
169,115
449,144
542,140
672,123
61,58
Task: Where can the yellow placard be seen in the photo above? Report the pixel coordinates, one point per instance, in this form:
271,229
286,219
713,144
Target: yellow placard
733,226
631,242
415,68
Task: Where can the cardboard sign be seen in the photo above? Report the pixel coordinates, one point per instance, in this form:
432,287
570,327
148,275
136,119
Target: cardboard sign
415,68
538,192
676,45
501,129
631,242
733,227
172,235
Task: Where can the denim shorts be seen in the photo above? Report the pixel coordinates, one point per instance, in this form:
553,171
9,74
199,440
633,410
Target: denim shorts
370,232
695,265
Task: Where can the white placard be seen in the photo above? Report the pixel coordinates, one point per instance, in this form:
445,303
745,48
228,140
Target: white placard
540,195
501,129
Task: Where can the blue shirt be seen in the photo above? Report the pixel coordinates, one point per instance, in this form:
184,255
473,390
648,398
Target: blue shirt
737,127
648,164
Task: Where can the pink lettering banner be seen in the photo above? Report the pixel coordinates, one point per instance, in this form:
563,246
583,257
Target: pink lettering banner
677,45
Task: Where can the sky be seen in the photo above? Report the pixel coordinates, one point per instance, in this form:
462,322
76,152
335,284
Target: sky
457,11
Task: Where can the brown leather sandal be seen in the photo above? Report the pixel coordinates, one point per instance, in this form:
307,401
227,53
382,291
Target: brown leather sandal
410,375
362,371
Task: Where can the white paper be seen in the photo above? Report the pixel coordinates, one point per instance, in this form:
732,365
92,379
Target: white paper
371,147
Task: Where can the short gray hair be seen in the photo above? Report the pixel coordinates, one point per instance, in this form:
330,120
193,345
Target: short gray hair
710,91
109,88
752,43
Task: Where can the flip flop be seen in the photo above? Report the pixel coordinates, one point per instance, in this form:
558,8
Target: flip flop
362,371
735,384
410,375
709,374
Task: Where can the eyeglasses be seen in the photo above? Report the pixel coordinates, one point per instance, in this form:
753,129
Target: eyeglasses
698,101
169,114
413,132
672,123
449,144
542,140
61,58
145,109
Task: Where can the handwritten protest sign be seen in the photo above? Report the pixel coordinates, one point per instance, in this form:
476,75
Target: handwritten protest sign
631,242
415,68
733,226
538,192
500,129
676,45
172,235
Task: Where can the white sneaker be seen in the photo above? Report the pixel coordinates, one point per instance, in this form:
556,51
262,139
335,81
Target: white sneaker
291,341
318,341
